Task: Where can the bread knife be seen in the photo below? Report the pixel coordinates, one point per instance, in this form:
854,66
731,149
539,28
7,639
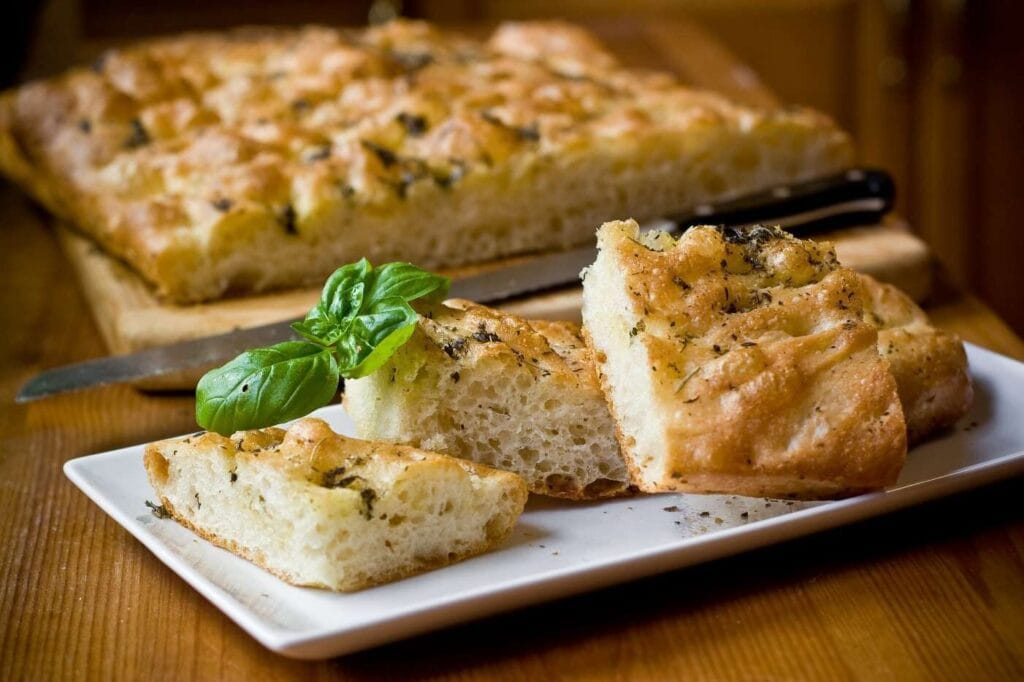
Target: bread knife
857,196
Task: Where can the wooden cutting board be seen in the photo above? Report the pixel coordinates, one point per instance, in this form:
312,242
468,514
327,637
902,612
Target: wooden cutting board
130,317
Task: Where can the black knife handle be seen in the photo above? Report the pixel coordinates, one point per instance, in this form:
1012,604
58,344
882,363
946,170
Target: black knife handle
858,196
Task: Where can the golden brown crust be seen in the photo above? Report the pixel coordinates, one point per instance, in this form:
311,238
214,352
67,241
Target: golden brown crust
765,379
929,364
194,157
309,448
554,349
309,452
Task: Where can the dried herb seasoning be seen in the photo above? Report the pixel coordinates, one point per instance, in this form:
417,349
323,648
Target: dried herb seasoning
158,510
414,124
386,156
454,348
411,171
288,219
457,171
139,136
526,133
318,153
333,478
484,336
369,496
756,235
680,282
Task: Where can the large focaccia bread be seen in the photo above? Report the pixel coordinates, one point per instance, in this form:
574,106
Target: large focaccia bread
257,159
319,509
520,395
739,361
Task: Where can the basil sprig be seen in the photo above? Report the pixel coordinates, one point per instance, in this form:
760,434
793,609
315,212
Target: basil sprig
362,318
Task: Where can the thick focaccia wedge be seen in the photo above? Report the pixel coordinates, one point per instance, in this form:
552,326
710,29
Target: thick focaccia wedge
256,159
322,510
497,389
738,361
929,365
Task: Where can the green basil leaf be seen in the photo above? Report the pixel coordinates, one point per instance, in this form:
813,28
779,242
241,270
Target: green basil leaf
405,281
266,386
340,300
374,336
361,306
320,330
362,318
344,291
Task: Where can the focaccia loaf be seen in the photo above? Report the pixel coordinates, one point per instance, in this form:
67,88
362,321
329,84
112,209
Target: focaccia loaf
318,509
256,159
929,365
497,389
738,361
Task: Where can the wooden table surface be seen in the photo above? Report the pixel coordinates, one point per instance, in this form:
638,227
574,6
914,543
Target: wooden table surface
935,592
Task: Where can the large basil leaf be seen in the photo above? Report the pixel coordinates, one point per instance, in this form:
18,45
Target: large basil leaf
266,386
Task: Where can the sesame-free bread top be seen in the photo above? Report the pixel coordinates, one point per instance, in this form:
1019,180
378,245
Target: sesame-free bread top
319,509
259,158
738,361
520,395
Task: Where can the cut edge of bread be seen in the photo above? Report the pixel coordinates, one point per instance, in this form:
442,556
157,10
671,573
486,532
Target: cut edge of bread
270,497
481,393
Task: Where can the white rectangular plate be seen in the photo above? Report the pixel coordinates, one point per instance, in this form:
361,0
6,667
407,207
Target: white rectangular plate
558,548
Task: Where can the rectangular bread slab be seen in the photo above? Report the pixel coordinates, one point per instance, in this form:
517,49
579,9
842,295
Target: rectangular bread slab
253,160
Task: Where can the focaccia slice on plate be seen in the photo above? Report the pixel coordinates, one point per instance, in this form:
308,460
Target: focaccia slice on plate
929,364
319,509
516,394
738,361
255,159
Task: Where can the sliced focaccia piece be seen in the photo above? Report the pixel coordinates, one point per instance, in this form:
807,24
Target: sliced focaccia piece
737,361
515,394
318,509
930,365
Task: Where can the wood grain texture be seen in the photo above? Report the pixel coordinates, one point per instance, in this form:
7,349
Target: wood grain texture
935,592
